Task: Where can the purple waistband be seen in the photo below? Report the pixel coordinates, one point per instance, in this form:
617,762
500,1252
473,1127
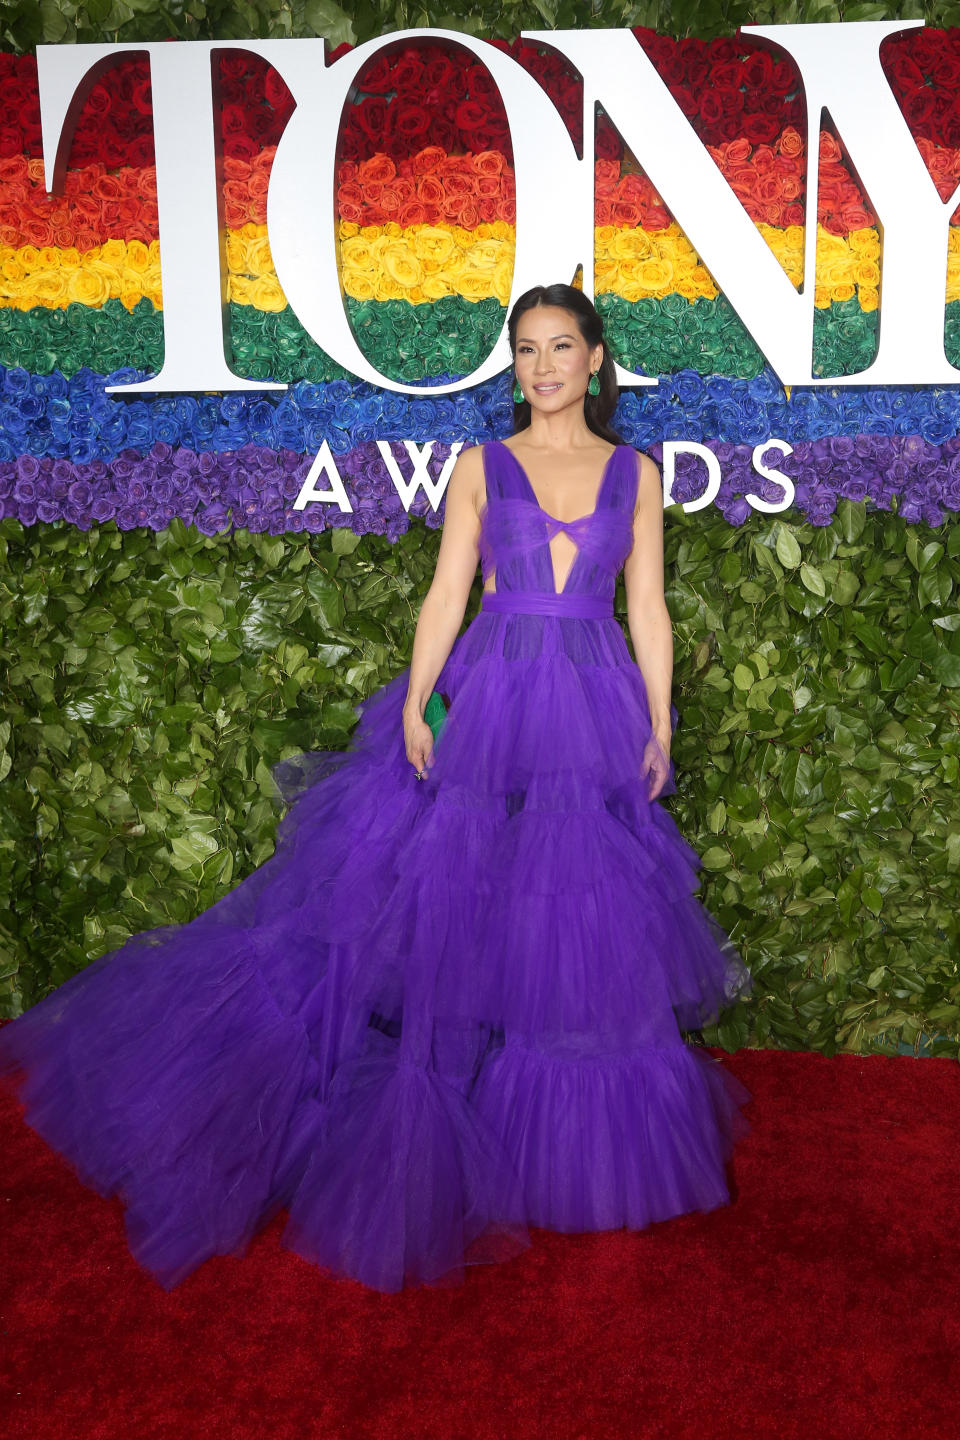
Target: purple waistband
540,602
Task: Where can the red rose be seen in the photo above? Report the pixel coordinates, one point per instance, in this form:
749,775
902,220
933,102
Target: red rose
722,49
727,76
412,120
470,114
784,79
233,64
371,116
793,215
760,128
698,69
686,99
757,69
709,107
407,71
437,72
240,145
609,146
375,77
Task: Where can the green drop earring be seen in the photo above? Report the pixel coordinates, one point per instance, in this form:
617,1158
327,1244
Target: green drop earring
518,395
593,387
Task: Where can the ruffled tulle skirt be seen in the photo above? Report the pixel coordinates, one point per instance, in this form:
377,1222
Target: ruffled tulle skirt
444,1012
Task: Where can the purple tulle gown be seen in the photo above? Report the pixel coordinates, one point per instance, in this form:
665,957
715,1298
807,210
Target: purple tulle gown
445,1010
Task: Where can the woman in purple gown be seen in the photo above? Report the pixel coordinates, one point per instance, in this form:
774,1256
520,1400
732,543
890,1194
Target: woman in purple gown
450,1006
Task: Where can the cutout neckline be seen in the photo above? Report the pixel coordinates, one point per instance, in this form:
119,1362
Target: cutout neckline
533,494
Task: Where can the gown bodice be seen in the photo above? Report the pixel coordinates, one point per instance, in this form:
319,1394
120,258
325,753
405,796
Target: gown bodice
516,531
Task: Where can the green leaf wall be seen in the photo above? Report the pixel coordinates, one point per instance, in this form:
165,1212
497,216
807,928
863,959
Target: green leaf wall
152,680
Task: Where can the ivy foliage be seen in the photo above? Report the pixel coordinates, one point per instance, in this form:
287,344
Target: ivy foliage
28,23
152,680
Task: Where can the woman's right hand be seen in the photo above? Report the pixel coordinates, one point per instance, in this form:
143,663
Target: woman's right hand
418,740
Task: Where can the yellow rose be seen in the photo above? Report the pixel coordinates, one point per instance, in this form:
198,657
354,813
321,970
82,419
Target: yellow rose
108,275
88,287
358,285
435,287
386,288
433,243
953,277
266,293
656,277
131,292
137,257
474,284
50,289
357,253
401,266
865,242
238,289
112,252
259,261
236,257
821,297
869,299
11,269
503,279
866,272
29,258
844,292
151,287
347,229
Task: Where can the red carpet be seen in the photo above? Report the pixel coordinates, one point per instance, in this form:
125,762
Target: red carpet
822,1303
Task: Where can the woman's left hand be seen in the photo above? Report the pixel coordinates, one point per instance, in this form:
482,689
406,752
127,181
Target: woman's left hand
656,761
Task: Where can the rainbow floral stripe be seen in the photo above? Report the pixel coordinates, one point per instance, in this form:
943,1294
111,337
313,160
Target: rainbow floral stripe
426,241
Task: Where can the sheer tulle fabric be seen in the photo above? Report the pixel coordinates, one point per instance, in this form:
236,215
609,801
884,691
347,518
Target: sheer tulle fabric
444,1011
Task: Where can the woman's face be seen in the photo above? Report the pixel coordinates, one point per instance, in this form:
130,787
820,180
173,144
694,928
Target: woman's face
552,360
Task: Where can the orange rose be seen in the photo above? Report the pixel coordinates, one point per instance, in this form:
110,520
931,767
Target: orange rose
376,171
235,169
413,212
430,190
738,151
107,187
488,162
624,212
829,148
428,160
791,143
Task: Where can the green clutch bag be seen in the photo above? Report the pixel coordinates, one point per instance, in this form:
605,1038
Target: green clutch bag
435,714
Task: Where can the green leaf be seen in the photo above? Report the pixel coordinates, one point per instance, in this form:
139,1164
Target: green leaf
743,677
788,551
946,669
812,579
326,18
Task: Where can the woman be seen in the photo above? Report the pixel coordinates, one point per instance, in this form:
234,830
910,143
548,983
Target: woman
449,1007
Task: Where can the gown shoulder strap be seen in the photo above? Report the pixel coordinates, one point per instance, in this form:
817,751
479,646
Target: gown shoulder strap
501,474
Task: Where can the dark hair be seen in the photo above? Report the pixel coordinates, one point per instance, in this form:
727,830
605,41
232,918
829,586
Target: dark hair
597,409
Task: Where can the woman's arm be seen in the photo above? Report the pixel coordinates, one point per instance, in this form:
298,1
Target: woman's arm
647,616
445,603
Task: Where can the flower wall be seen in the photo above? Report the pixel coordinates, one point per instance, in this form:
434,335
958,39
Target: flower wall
426,210
173,625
